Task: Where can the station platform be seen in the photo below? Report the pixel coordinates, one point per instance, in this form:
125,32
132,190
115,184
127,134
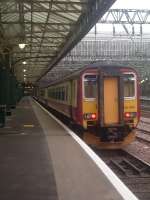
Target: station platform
39,160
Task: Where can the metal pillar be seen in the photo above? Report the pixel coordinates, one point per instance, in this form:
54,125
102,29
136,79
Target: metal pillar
13,91
4,94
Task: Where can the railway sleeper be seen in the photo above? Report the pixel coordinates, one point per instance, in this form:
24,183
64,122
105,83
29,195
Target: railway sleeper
114,163
127,164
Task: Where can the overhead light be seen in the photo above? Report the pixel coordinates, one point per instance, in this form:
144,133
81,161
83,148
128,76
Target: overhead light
22,45
24,79
24,62
25,75
24,70
143,81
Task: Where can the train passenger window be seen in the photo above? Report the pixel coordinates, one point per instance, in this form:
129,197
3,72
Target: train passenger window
90,86
49,93
66,93
63,94
59,93
54,93
129,85
42,92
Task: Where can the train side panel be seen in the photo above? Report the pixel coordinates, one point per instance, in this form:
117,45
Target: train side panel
59,98
63,98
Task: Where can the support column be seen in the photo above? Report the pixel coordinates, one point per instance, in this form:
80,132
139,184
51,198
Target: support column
4,94
4,86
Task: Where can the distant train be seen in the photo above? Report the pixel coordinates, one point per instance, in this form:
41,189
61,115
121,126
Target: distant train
100,98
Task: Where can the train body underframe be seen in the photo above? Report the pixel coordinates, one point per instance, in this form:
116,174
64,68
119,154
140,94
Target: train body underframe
111,133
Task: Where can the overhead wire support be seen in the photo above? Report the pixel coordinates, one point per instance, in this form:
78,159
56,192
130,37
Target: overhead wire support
126,16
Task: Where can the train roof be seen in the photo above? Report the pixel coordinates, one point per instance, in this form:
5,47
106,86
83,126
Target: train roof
96,65
103,66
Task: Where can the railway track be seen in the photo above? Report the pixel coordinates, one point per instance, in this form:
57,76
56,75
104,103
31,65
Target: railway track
145,111
143,137
143,131
145,122
143,140
145,114
133,172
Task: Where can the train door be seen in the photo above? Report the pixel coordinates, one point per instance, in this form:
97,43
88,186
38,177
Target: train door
111,100
111,104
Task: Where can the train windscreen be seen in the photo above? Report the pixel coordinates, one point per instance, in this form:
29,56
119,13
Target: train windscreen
90,86
129,85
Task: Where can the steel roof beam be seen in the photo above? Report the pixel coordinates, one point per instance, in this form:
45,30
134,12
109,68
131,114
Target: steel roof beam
48,37
83,2
126,16
38,23
21,21
50,31
31,39
41,10
25,52
45,26
45,46
28,58
53,29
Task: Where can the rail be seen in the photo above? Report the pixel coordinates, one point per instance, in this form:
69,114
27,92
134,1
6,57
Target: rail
131,170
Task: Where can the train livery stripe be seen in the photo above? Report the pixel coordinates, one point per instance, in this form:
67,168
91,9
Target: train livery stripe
122,189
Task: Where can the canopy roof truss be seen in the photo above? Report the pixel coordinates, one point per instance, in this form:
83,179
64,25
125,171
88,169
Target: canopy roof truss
49,28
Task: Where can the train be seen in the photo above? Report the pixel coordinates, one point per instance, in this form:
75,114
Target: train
101,99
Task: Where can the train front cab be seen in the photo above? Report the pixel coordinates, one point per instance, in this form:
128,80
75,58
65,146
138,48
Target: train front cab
110,105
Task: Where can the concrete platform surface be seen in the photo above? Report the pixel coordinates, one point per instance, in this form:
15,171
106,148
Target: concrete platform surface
39,160
26,171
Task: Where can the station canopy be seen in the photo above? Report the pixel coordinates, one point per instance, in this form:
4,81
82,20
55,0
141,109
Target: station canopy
48,28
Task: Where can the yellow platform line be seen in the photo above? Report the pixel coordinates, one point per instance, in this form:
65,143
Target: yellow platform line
28,125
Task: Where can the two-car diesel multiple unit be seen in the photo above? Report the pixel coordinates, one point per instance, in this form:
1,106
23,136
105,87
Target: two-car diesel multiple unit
100,98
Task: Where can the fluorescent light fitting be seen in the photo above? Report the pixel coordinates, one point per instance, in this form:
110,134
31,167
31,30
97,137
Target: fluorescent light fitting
24,62
22,45
25,75
143,81
24,70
